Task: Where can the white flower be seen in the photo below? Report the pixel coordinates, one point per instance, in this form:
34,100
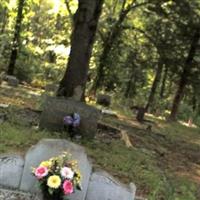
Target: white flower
66,172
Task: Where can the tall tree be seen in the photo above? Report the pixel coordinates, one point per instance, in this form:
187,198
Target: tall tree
85,25
16,38
110,39
185,74
164,79
154,85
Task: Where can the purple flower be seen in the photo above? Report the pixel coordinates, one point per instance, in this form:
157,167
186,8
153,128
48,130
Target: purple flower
73,120
68,120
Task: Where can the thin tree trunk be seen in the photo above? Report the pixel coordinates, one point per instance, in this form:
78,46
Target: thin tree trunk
141,110
4,20
163,86
85,25
109,41
154,85
194,102
184,76
130,86
16,38
2,30
69,11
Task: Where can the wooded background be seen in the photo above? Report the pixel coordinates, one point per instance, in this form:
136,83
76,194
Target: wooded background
144,53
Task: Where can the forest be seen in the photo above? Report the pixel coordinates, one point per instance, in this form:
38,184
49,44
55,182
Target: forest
146,53
143,54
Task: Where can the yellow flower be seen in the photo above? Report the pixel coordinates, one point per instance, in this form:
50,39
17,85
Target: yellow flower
46,164
54,182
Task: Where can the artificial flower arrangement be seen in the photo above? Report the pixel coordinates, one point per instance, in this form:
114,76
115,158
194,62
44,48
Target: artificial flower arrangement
58,177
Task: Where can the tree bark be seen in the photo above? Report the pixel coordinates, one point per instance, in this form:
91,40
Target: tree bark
154,85
132,81
141,111
16,38
163,86
4,20
130,86
184,76
85,25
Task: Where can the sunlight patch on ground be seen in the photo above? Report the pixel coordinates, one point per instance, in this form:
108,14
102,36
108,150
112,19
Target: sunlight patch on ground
187,124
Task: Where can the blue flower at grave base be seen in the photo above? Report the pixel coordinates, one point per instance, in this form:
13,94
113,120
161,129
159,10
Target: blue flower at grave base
77,119
72,120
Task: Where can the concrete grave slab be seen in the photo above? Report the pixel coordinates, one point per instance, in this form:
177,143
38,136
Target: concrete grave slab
103,187
47,148
11,168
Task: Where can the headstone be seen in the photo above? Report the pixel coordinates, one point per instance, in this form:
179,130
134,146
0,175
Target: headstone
56,108
103,187
104,100
12,81
2,117
11,168
16,195
2,105
48,148
109,113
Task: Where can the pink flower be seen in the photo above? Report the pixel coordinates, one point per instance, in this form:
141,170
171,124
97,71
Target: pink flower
67,187
41,172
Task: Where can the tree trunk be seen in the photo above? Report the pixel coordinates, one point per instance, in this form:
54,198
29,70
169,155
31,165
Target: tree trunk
141,111
154,85
131,85
163,86
110,40
4,20
16,38
184,76
85,25
108,44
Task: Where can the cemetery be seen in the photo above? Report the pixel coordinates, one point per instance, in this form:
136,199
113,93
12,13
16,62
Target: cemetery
99,100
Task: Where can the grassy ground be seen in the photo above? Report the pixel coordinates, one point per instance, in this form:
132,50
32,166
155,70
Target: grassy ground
164,163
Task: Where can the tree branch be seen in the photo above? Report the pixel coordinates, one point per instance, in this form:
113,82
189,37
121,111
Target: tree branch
69,10
102,36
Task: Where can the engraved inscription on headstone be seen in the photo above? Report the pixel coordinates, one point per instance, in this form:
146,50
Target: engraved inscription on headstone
11,168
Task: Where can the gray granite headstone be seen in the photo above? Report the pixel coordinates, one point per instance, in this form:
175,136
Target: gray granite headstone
47,148
103,187
104,100
11,168
56,108
12,81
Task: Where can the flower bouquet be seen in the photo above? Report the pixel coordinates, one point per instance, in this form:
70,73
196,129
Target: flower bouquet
58,177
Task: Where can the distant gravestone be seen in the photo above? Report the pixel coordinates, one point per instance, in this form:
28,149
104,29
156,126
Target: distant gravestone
12,80
103,187
11,168
56,108
48,148
104,100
